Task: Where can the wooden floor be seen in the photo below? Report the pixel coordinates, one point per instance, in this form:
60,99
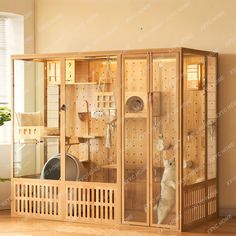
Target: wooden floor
24,227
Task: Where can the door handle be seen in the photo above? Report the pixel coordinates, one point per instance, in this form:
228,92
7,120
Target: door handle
155,101
63,107
150,98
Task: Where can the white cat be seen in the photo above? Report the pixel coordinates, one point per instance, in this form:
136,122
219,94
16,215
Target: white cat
168,193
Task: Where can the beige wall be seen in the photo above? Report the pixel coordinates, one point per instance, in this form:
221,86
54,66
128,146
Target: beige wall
75,25
25,8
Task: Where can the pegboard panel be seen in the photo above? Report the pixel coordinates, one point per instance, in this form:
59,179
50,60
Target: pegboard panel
194,127
78,99
166,124
136,80
211,117
89,130
135,75
100,155
211,149
81,150
135,201
136,137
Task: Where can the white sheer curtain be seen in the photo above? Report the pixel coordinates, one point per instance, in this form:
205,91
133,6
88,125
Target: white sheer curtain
4,76
11,42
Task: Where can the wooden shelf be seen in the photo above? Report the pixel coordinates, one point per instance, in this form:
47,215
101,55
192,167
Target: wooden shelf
36,141
79,83
50,83
90,136
87,83
110,166
84,139
82,83
136,115
29,142
51,136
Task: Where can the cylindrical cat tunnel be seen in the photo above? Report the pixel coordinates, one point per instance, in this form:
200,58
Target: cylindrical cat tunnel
74,169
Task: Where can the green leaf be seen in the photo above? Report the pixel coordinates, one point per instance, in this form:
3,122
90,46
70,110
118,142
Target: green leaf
5,115
2,180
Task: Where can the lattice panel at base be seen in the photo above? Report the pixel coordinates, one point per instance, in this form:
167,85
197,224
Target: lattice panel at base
36,198
194,203
200,201
212,198
90,202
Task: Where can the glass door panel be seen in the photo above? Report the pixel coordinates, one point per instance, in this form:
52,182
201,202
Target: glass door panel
211,117
36,121
194,119
164,135
136,140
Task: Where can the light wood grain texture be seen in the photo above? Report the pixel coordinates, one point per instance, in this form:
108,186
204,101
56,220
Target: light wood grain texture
28,226
122,186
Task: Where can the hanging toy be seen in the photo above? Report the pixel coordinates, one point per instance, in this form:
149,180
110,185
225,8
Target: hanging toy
160,144
104,99
212,129
108,137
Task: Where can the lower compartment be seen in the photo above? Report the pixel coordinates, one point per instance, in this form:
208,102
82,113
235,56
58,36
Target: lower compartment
70,201
89,202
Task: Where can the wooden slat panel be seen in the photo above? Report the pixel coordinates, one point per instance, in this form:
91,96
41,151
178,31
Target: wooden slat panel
36,198
94,202
196,202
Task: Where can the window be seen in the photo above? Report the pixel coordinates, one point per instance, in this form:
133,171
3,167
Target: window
11,42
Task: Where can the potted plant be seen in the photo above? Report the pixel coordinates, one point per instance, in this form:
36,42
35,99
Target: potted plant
5,115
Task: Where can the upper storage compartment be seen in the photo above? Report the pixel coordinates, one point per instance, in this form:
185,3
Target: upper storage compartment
84,70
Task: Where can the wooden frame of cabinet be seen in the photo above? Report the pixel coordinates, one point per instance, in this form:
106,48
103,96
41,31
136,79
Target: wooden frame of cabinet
103,202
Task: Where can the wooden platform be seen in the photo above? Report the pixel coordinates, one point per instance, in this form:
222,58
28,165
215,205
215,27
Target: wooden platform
26,226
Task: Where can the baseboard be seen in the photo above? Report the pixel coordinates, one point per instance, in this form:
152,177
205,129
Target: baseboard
228,211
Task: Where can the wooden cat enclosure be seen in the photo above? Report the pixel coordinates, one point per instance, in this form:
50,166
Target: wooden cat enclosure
120,137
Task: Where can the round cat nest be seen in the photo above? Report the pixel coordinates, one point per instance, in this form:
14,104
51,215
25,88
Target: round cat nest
134,104
74,168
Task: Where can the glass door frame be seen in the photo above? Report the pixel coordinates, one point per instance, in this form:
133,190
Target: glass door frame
62,117
149,203
38,58
124,57
153,56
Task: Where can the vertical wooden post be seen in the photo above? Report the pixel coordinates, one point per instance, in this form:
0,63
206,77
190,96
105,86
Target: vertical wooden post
206,135
150,207
148,132
179,133
118,92
12,140
180,138
123,138
217,161
62,190
45,107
